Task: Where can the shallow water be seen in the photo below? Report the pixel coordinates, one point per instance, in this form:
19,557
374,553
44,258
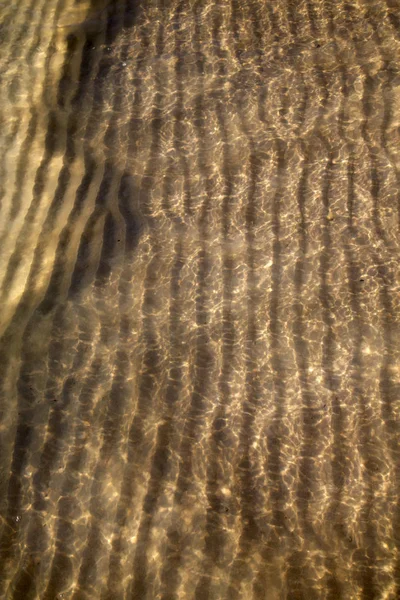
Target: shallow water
200,300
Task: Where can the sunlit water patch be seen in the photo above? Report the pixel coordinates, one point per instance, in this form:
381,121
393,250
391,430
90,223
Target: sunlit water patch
200,273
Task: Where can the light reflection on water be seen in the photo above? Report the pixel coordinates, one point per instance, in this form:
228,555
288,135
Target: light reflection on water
200,374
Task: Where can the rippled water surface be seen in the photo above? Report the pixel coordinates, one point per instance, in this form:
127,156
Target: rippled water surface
200,300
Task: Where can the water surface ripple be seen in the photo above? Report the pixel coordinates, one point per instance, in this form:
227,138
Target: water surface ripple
200,300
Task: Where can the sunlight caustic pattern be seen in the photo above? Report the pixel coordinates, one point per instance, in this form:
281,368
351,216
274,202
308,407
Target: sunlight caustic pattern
200,300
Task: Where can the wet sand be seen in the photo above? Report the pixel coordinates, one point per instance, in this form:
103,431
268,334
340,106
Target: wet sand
200,300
